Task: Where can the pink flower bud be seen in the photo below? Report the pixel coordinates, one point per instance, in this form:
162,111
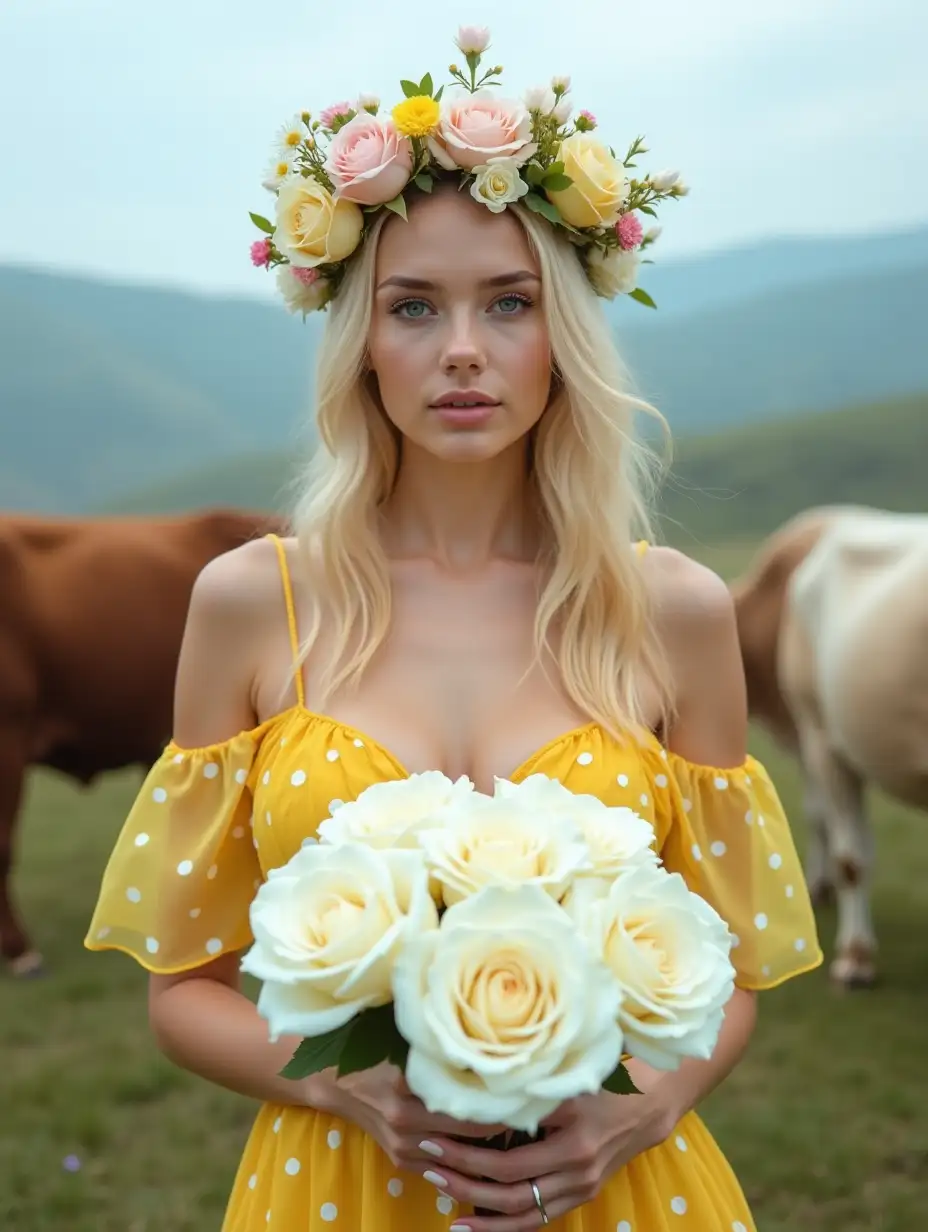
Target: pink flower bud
629,231
261,253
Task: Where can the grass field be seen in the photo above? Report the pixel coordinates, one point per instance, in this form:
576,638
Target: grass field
825,1121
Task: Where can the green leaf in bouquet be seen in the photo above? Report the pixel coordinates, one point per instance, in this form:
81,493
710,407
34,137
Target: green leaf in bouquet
534,174
426,85
646,209
317,1053
261,223
424,182
368,1040
620,1082
556,182
410,88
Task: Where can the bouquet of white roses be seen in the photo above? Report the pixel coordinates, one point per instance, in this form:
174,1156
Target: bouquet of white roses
506,952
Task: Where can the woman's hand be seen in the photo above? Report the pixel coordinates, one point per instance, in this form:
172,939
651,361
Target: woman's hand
380,1103
587,1140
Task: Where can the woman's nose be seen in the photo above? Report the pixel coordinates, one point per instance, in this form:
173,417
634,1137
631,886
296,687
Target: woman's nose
463,348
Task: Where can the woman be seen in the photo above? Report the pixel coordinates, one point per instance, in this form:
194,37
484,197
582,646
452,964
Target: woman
462,593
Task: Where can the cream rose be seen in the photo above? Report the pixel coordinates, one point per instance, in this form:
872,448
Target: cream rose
617,839
599,188
506,1010
368,161
312,227
614,272
502,841
478,127
389,814
497,184
328,927
302,294
669,951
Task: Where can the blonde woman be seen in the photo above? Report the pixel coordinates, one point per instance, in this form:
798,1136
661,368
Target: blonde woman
462,592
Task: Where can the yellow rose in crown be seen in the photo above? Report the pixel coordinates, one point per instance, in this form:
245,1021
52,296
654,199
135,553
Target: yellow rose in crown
599,188
313,227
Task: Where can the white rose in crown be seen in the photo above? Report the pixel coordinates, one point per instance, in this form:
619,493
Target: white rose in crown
506,1009
617,839
328,927
389,814
502,841
669,951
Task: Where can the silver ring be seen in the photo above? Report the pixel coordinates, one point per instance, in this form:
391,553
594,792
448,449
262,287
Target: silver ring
541,1206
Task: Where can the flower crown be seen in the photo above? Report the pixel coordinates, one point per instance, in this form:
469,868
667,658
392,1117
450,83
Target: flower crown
332,175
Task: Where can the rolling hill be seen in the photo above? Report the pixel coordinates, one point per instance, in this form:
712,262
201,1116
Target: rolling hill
736,484
105,389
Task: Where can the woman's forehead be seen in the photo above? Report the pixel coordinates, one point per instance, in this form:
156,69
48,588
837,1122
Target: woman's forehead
451,234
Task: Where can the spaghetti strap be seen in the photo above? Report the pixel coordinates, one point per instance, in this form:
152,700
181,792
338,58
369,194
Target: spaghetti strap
641,547
291,617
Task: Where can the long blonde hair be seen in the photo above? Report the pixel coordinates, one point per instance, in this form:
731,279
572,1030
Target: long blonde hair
593,479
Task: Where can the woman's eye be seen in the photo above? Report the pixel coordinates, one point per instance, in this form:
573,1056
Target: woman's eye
509,304
413,308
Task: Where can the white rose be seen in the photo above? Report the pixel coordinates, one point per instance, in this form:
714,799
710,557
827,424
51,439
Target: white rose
563,111
497,183
540,98
613,272
664,180
617,839
328,927
473,40
669,951
388,814
300,293
495,840
506,1010
560,84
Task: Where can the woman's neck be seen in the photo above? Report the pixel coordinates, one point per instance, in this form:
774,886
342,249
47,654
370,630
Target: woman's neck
461,515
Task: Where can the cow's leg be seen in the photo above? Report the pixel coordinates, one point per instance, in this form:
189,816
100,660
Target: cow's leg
14,943
849,842
820,868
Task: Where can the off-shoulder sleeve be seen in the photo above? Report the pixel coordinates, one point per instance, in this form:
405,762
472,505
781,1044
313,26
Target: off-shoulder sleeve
726,832
178,885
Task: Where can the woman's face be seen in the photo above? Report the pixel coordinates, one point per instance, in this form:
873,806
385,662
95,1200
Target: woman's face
458,340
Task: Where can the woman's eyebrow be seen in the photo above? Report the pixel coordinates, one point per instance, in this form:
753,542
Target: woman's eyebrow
422,284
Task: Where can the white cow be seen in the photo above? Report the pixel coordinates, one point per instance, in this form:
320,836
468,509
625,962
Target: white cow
851,663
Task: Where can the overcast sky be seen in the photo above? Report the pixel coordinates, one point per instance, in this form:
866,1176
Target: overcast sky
134,136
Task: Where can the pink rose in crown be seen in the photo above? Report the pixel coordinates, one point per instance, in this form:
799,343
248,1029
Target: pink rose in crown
368,161
478,127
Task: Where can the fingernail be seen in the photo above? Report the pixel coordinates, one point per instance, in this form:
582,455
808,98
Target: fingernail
460,1227
431,1148
435,1179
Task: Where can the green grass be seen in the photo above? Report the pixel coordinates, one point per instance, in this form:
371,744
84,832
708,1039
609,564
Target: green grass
824,1121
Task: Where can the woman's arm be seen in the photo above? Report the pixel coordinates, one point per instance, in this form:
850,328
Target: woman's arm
700,634
200,1018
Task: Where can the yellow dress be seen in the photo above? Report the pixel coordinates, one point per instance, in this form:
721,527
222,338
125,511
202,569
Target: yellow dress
208,825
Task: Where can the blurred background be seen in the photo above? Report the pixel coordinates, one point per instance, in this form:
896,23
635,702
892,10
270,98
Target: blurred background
146,367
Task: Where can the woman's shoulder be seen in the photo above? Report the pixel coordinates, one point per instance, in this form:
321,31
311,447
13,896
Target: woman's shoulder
240,582
687,596
698,630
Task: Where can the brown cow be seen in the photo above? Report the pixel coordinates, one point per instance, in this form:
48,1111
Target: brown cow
91,619
833,620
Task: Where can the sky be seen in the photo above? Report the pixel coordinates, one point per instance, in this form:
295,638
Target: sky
134,136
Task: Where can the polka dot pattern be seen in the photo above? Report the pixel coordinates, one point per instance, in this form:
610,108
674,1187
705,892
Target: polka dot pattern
184,844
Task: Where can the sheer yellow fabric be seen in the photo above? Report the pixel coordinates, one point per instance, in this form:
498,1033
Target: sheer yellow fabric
726,832
183,872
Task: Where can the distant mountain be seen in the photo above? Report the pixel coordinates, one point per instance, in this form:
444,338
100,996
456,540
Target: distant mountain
736,484
105,389
746,481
